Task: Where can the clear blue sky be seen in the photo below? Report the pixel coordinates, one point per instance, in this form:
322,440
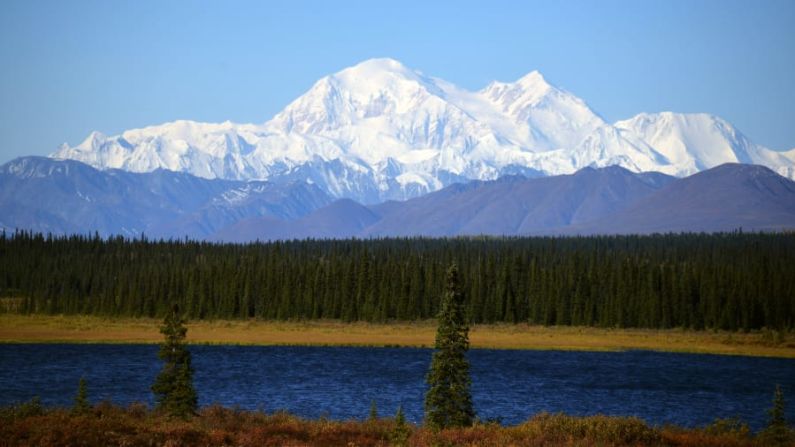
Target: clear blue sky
70,67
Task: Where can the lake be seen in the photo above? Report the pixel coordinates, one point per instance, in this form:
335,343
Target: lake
340,382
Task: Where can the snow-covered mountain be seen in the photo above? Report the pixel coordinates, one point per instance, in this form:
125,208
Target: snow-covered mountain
699,141
380,131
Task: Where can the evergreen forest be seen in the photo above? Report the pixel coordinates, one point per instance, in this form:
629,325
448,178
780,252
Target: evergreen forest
731,281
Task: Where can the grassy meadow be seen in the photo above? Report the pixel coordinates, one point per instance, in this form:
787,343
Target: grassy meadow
89,329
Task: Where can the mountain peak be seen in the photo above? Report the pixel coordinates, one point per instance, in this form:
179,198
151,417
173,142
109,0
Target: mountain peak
535,81
556,119
379,63
372,88
94,136
694,141
699,119
375,71
92,142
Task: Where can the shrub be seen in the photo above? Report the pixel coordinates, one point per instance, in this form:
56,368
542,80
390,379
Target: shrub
22,410
734,427
600,429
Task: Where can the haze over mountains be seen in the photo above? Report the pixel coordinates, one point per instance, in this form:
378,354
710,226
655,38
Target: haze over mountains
65,197
609,200
381,131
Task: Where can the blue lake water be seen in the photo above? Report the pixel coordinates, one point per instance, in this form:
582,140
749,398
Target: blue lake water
339,383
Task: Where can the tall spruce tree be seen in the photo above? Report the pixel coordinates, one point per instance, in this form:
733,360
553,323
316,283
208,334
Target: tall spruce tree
448,402
173,387
777,432
81,405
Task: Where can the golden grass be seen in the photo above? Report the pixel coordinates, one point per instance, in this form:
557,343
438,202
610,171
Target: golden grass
88,329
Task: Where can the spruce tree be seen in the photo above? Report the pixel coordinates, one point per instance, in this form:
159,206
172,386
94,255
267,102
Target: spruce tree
777,431
448,402
373,411
173,387
81,405
401,431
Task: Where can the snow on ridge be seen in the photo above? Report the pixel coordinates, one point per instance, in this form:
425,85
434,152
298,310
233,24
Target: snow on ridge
380,130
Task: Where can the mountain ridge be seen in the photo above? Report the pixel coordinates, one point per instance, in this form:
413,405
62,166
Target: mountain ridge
609,200
381,131
66,196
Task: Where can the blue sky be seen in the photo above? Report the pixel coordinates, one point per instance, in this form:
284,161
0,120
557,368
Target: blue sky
67,68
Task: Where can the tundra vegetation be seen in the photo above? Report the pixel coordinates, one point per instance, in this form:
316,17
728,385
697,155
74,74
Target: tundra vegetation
31,424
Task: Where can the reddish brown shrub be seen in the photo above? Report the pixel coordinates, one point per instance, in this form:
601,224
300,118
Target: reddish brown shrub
217,426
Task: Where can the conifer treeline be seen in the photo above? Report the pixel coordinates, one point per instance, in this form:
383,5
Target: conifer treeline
727,281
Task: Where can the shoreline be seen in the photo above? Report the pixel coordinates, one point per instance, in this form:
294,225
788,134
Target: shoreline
79,329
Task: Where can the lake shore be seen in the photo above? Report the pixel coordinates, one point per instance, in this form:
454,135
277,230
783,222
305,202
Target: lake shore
89,329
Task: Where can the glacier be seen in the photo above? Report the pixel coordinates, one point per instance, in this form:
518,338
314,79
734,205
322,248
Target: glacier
381,131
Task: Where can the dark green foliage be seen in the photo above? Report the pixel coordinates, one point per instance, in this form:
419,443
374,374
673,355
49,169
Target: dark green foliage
401,431
777,411
734,427
737,281
373,416
777,432
448,401
173,387
81,405
23,410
